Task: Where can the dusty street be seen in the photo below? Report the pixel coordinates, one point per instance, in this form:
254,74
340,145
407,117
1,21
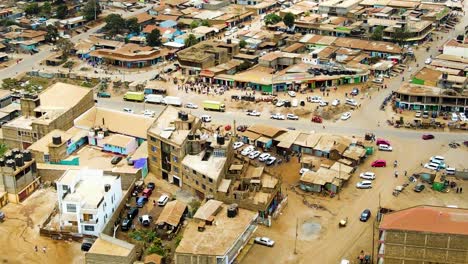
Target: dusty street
19,234
319,238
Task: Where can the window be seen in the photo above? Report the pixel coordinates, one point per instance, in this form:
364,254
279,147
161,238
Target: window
176,170
154,149
204,177
211,190
71,208
153,139
211,180
194,171
196,182
175,159
89,228
203,186
65,188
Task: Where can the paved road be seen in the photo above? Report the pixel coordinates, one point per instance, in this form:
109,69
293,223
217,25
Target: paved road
348,128
28,63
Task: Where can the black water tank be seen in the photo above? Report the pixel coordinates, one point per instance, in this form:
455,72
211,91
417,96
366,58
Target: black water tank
27,156
8,155
220,140
183,116
107,187
19,160
2,162
314,55
191,137
232,210
16,151
11,163
444,76
56,140
229,41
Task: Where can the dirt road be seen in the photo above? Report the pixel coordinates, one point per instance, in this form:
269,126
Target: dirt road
19,234
320,240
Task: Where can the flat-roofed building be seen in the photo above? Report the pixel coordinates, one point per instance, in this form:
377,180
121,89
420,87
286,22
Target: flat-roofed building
107,249
424,234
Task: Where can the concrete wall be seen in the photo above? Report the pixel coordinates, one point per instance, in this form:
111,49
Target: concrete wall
94,258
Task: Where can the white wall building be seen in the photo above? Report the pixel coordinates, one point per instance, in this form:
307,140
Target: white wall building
87,199
455,48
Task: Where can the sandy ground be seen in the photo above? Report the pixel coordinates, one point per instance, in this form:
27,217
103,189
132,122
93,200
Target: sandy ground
20,233
319,238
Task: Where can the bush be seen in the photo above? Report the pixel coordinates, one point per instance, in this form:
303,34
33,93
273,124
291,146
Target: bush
194,205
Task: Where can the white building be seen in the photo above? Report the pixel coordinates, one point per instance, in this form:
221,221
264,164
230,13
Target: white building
454,48
87,199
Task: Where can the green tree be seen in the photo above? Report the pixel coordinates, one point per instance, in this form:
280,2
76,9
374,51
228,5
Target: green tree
52,34
378,33
115,24
153,39
62,11
32,9
400,35
205,23
271,19
190,40
10,83
244,66
289,20
46,9
65,46
157,247
3,149
144,235
242,44
194,205
132,25
91,10
194,24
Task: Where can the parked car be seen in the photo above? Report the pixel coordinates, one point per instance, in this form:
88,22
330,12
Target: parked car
425,114
427,136
162,201
205,118
141,201
264,157
336,102
428,61
417,114
384,147
432,166
151,185
367,175
280,103
126,224
365,215
419,187
277,116
317,119
382,141
132,212
450,171
323,103
191,106
241,128
292,117
147,192
264,241
270,161
115,160
355,91
253,113
303,170
238,144
379,163
378,80
148,113
247,150
292,93
2,216
103,95
315,99
128,110
462,117
145,220
346,116
87,244
351,102
364,185
254,154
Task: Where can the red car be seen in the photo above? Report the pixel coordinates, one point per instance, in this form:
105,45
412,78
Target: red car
317,119
427,136
379,163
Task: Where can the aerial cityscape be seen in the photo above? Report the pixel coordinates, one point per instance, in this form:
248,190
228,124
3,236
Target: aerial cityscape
234,132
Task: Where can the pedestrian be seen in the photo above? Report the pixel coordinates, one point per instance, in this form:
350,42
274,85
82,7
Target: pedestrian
154,202
456,190
396,174
461,189
35,248
44,249
406,173
323,127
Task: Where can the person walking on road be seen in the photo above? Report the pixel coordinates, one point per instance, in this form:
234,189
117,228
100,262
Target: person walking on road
35,248
44,248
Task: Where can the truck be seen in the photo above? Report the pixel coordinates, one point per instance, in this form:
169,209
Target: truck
134,96
214,106
172,100
154,98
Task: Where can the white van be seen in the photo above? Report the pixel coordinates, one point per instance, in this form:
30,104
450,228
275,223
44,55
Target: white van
294,103
351,102
450,171
162,201
454,117
154,98
439,159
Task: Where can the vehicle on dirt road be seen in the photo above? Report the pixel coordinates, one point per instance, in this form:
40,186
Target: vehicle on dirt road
367,175
385,147
365,215
427,136
379,163
264,241
364,185
317,119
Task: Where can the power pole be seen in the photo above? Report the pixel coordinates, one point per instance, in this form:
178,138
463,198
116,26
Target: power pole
295,241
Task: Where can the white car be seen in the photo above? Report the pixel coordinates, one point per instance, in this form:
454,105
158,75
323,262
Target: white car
336,102
163,199
378,80
315,99
128,110
292,93
428,61
431,166
191,106
238,144
345,116
254,154
206,118
364,185
462,117
253,113
247,150
148,113
385,147
292,117
270,161
228,33
367,175
417,114
277,116
323,103
264,157
280,103
145,220
303,170
264,241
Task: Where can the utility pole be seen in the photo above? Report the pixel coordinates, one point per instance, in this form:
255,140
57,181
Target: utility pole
95,10
295,241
